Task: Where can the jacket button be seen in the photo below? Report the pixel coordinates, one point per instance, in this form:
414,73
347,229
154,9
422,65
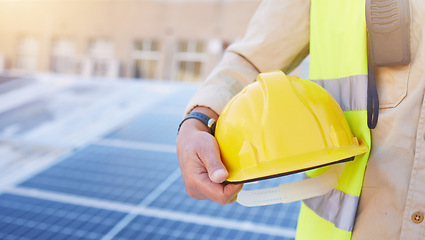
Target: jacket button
417,217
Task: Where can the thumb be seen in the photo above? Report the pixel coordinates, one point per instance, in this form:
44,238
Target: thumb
210,157
218,175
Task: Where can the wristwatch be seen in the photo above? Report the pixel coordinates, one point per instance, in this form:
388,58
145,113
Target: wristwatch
209,122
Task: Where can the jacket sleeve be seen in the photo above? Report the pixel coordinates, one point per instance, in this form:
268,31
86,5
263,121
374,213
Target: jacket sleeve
277,38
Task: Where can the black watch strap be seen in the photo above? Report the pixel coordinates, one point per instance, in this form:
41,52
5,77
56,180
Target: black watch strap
209,122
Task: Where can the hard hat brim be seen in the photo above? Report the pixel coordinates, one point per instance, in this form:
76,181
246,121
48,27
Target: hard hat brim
287,173
295,164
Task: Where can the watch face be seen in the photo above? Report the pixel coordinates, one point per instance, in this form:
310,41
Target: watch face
211,122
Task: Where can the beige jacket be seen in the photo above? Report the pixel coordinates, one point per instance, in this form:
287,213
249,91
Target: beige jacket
394,185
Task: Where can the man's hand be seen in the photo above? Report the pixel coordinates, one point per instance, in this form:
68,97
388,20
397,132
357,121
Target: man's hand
200,162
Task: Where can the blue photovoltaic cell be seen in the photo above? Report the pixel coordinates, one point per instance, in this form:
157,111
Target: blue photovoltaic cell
107,173
32,218
283,215
143,227
154,128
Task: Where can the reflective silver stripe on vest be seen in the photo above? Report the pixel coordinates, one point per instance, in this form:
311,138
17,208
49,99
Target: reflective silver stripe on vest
336,207
349,92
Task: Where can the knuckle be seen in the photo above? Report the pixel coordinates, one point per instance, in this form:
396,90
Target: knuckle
191,193
190,183
222,200
191,190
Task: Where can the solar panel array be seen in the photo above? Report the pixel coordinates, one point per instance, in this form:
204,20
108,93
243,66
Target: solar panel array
126,184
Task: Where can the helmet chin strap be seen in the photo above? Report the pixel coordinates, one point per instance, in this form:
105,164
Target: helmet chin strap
294,191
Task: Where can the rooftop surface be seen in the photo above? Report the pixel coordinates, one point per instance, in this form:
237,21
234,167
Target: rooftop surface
95,159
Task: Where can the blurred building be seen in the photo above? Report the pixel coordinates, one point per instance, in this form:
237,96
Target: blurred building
153,39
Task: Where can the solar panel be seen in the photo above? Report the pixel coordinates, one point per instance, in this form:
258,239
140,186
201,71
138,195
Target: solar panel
32,218
11,83
116,174
160,124
157,228
127,186
24,118
281,215
153,127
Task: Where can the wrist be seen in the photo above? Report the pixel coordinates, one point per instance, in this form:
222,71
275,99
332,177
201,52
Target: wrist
205,110
200,121
192,125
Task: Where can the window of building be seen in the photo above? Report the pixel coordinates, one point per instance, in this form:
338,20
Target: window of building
191,58
101,48
63,55
101,61
28,50
146,56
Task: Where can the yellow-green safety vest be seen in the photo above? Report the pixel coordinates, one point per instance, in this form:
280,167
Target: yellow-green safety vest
338,62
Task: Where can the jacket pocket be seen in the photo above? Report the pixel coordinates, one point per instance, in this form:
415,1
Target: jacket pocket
392,85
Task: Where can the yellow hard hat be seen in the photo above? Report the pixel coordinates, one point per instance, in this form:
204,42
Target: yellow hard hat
281,125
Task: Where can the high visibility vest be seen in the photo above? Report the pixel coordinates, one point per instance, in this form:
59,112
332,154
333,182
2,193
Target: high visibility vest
338,62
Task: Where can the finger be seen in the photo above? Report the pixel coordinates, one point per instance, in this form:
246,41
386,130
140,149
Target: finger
217,192
232,190
210,157
199,186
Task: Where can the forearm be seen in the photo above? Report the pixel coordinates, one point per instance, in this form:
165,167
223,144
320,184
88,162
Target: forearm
231,75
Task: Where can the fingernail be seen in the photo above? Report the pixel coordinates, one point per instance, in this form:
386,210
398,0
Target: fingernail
219,175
